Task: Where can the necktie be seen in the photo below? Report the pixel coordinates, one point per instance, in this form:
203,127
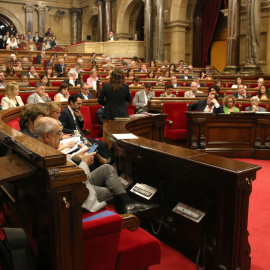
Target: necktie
210,109
78,126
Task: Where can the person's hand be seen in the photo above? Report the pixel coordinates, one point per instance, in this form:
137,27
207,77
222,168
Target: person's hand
78,85
79,114
76,132
81,145
88,158
46,95
70,144
214,101
254,108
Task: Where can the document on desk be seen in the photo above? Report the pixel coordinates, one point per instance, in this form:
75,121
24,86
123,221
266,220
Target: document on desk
124,136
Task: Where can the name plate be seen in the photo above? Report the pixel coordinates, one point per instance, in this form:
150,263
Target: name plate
144,191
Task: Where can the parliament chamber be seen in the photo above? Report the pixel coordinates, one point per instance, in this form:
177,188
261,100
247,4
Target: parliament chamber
186,159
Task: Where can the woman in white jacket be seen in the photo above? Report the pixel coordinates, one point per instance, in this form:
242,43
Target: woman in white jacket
12,98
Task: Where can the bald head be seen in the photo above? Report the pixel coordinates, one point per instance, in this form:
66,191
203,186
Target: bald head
48,131
193,87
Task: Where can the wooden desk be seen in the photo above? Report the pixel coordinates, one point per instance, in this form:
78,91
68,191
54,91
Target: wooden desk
242,135
219,186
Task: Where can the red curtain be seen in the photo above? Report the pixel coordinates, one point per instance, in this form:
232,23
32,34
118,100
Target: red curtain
210,16
226,4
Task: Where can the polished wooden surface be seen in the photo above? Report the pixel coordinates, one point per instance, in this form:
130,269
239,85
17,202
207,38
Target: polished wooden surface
218,186
242,135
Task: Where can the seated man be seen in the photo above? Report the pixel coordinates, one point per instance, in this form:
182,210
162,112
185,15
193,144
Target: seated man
72,81
40,96
186,75
241,92
51,61
73,121
174,81
23,80
181,64
40,56
141,98
143,68
60,68
255,101
125,67
197,80
193,91
207,105
135,82
31,46
165,64
84,94
77,69
103,183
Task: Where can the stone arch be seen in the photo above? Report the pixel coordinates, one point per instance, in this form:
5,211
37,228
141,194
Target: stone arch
126,9
20,28
178,10
89,18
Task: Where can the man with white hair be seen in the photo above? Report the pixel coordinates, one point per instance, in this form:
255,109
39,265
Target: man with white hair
72,81
255,101
103,183
77,69
108,61
60,68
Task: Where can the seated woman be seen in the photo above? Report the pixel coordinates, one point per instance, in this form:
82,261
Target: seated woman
32,72
160,81
151,74
30,115
130,73
44,79
10,72
12,98
259,83
92,80
168,91
229,104
94,67
166,74
255,101
204,75
49,72
63,93
263,92
135,82
172,68
153,63
238,81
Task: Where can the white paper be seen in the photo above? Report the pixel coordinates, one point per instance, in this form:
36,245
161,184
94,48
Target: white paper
124,136
82,149
70,150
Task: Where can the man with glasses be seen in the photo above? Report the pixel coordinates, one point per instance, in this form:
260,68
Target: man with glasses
142,97
84,94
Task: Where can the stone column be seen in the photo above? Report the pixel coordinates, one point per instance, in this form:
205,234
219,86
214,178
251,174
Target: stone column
100,20
29,18
108,19
253,38
159,51
41,19
233,39
75,12
148,28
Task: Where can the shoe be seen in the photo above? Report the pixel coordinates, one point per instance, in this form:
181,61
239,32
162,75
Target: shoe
138,207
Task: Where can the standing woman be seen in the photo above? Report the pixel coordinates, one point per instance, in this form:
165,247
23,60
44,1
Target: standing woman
114,96
12,98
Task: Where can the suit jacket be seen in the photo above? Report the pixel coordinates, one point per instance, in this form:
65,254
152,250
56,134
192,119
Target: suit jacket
35,98
58,69
182,77
261,109
37,39
99,115
28,48
115,104
38,59
48,63
200,106
236,95
76,82
89,95
7,103
177,85
139,99
200,85
68,122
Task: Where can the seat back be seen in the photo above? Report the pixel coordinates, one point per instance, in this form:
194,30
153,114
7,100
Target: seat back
14,123
176,113
87,120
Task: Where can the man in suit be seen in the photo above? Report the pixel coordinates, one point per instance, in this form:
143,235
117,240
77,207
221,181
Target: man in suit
111,36
255,101
84,94
207,105
193,91
103,183
31,46
186,75
241,92
143,68
40,96
73,122
37,39
60,68
174,81
77,69
50,62
197,80
40,56
141,98
72,81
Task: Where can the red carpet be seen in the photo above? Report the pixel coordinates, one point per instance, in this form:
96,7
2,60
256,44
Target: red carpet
259,227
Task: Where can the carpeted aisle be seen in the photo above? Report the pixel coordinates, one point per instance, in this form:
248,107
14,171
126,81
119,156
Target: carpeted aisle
258,226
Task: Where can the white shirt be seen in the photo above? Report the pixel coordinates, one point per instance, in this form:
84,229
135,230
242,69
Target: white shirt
62,98
145,98
216,105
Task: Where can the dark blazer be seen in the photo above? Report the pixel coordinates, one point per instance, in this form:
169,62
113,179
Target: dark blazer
115,104
182,77
37,39
58,69
27,132
76,82
201,84
236,95
67,121
82,96
48,63
99,115
200,106
38,61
